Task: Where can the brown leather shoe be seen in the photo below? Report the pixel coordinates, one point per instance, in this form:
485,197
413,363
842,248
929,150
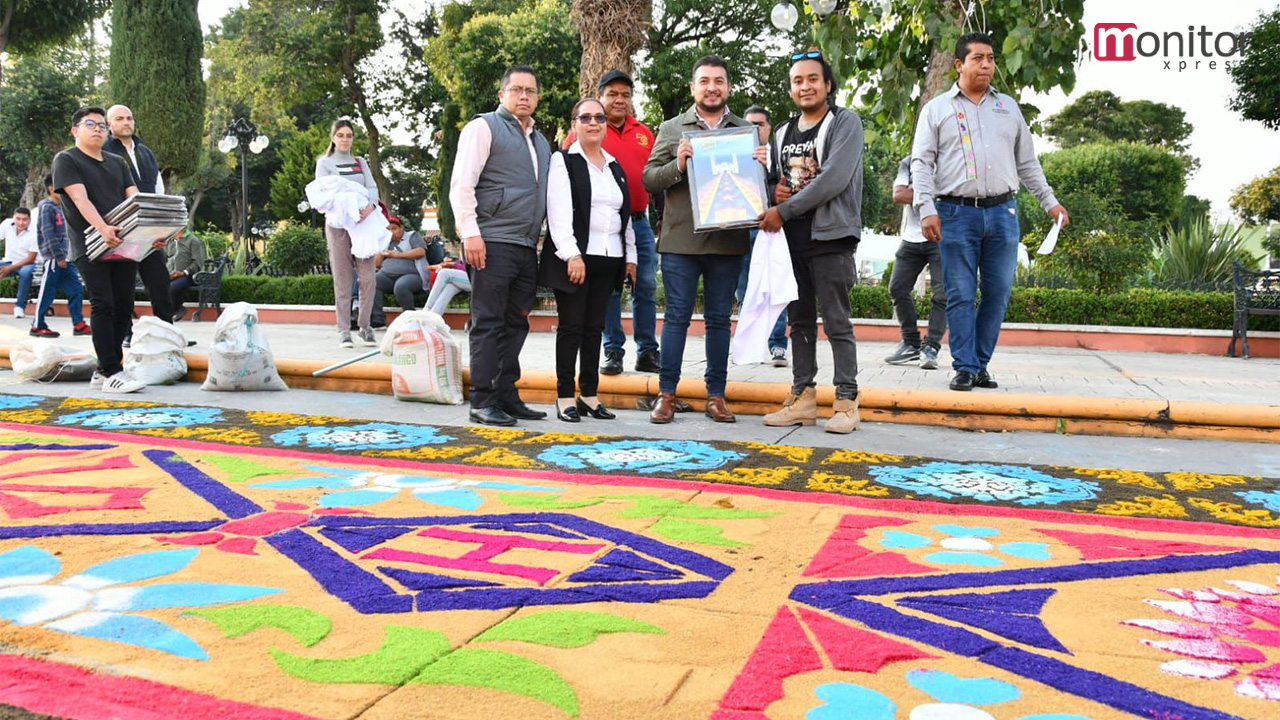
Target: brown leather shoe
718,410
664,409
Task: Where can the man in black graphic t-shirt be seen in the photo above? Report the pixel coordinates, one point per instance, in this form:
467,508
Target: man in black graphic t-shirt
817,177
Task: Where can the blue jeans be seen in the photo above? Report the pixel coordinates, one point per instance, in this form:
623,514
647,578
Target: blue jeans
680,274
777,338
65,279
979,251
25,273
644,307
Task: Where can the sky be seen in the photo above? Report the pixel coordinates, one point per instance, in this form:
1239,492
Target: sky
1232,151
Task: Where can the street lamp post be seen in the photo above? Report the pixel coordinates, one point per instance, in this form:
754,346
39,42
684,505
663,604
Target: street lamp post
243,134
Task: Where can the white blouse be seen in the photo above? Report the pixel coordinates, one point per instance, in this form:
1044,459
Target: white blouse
603,234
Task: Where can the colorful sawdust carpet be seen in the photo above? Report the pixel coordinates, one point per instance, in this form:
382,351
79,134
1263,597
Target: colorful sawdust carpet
165,562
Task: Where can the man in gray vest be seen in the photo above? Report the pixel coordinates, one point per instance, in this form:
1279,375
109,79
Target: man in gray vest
499,195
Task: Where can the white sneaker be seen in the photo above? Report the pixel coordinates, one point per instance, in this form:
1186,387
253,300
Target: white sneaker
95,383
19,312
122,383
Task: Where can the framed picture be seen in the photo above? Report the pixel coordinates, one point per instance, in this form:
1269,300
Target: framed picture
726,182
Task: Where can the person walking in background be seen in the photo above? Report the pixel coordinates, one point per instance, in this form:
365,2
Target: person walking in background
913,256
339,161
21,253
499,195
592,248
51,230
184,258
971,149
759,117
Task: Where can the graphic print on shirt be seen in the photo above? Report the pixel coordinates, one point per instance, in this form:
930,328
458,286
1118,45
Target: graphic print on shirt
799,156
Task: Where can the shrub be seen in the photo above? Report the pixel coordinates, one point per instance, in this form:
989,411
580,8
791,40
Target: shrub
1272,244
215,242
1145,182
296,249
1201,253
1100,250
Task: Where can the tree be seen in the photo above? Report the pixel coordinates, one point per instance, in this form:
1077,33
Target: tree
1101,116
450,122
27,26
155,70
1258,201
1145,183
612,31
1257,74
298,153
39,97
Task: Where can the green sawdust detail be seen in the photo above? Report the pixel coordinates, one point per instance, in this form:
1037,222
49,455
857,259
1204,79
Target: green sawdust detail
32,438
647,506
404,652
542,502
565,629
675,529
239,469
502,671
306,626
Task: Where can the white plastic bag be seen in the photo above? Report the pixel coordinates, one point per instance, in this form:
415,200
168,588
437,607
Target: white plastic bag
426,363
45,361
156,352
240,358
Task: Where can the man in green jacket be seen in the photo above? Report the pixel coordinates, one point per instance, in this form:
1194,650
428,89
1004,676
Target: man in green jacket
714,257
185,258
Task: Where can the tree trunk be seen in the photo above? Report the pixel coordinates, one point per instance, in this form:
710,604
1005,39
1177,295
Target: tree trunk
196,198
33,190
940,63
612,31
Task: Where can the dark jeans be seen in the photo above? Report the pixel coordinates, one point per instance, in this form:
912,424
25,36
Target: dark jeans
582,325
979,250
824,281
65,279
911,258
777,338
155,278
177,286
680,274
24,275
644,306
403,287
110,286
502,295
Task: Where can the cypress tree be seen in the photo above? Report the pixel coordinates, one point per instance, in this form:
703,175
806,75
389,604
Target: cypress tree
450,130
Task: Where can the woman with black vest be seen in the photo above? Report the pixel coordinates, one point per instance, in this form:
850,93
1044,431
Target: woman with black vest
592,248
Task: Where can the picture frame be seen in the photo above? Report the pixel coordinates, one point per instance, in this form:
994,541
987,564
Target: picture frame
726,184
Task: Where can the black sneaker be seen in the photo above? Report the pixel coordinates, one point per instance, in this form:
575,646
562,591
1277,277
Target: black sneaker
985,380
963,381
612,365
648,362
905,353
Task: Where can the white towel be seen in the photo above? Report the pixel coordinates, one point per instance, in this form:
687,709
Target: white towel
771,286
341,202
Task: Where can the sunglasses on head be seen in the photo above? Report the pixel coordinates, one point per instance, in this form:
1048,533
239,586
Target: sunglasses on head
810,55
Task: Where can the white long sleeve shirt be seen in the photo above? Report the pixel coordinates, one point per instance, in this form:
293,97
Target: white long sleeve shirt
605,236
473,152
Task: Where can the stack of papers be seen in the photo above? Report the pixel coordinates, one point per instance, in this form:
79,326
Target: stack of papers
142,219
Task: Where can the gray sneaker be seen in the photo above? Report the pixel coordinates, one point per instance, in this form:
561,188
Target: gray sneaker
905,353
344,339
779,356
929,358
366,337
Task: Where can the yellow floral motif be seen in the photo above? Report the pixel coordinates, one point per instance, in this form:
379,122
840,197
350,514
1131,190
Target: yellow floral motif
858,456
748,476
845,484
787,452
556,437
498,435
1124,477
426,452
95,404
502,457
1231,512
235,436
1164,506
33,415
1203,481
258,417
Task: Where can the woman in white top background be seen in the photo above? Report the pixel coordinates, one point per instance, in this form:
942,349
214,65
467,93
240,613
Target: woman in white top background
340,161
592,248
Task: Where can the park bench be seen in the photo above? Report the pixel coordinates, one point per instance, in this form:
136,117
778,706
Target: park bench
208,286
1257,292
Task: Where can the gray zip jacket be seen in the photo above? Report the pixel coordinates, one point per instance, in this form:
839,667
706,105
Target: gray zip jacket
835,194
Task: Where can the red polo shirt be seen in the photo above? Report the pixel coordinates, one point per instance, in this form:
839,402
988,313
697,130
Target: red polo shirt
630,145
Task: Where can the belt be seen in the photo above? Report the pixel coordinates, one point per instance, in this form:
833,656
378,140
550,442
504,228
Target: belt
985,202
639,215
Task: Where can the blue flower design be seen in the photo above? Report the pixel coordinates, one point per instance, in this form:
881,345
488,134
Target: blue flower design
91,604
372,487
1269,500
369,436
965,545
645,456
143,418
986,482
18,402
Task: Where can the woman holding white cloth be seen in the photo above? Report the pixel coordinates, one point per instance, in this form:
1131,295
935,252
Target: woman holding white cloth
339,161
592,248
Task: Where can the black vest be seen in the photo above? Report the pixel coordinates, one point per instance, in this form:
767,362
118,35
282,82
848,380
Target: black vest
554,272
145,174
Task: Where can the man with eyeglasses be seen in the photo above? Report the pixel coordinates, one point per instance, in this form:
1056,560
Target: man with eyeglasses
91,183
972,148
816,171
499,195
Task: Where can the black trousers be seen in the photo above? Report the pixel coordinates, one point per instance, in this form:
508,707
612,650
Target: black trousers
578,336
110,286
502,295
155,278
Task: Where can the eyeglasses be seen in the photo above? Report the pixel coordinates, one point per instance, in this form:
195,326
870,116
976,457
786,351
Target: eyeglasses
598,119
758,123
531,92
810,55
92,125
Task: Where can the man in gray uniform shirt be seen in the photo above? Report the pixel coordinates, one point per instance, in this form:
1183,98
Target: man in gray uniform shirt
972,146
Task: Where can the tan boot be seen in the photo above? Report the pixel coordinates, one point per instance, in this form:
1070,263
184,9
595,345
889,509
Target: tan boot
799,409
844,418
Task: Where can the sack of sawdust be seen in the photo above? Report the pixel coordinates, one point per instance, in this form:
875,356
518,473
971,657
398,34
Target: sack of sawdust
426,363
240,358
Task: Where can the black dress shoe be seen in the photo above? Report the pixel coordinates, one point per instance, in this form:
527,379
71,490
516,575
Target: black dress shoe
648,363
985,380
522,411
963,381
491,416
600,412
569,414
612,365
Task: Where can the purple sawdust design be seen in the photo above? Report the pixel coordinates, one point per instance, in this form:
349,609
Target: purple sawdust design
535,528
497,598
1010,614
357,540
623,566
430,581
233,504
34,446
168,526
360,589
1018,602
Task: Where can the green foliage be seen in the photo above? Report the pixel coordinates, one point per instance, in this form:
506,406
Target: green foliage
1100,250
1272,244
1100,116
1146,182
1193,208
296,249
215,242
28,26
879,168
411,172
450,129
289,290
1257,74
298,153
38,96
1258,201
1201,253
155,70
